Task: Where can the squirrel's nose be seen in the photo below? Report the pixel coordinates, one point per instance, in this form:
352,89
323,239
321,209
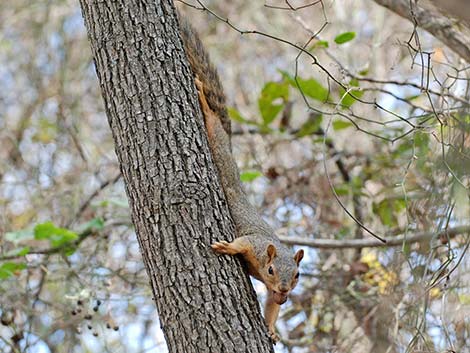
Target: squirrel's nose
283,289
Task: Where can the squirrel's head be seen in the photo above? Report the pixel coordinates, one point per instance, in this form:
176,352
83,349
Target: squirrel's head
281,273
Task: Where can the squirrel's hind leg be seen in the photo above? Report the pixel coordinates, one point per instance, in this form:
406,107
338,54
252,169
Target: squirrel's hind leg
212,121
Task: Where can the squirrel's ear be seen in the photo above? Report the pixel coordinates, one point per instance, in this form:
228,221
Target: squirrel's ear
299,255
271,252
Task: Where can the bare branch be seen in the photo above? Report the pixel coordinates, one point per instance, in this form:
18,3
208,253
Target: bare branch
373,243
457,8
89,230
87,202
455,36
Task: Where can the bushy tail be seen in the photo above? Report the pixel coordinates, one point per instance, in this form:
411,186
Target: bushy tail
205,71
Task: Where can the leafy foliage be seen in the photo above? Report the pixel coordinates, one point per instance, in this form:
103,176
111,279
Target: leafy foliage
56,236
270,94
340,125
309,87
8,269
311,126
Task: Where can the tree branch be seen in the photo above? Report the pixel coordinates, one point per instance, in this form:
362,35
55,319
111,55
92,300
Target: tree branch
457,8
453,35
87,202
85,233
373,243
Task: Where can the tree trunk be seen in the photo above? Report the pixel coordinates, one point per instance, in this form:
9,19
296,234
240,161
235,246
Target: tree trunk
205,302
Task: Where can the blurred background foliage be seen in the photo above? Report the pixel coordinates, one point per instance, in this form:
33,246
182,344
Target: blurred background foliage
338,105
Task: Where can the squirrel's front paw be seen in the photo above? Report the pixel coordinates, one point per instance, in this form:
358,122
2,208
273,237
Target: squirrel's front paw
274,336
222,247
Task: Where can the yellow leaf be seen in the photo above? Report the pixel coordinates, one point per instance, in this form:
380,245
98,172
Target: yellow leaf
435,293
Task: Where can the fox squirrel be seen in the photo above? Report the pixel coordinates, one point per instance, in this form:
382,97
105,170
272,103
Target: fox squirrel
265,257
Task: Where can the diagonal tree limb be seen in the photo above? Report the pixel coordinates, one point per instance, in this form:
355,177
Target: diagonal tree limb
454,35
457,8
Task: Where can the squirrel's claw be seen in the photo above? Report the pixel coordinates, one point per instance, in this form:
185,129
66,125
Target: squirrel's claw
221,247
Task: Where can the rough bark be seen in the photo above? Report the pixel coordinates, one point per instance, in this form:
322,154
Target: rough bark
205,302
454,35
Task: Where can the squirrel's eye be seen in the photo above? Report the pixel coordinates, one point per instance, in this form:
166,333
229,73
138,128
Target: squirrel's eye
270,270
297,275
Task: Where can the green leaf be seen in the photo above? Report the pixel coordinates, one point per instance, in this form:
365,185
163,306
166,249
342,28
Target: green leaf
319,44
399,205
269,111
309,87
313,89
322,140
23,251
388,210
19,251
250,175
341,125
385,213
236,116
342,190
9,269
357,184
20,235
271,92
69,250
345,37
363,72
56,236
310,127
